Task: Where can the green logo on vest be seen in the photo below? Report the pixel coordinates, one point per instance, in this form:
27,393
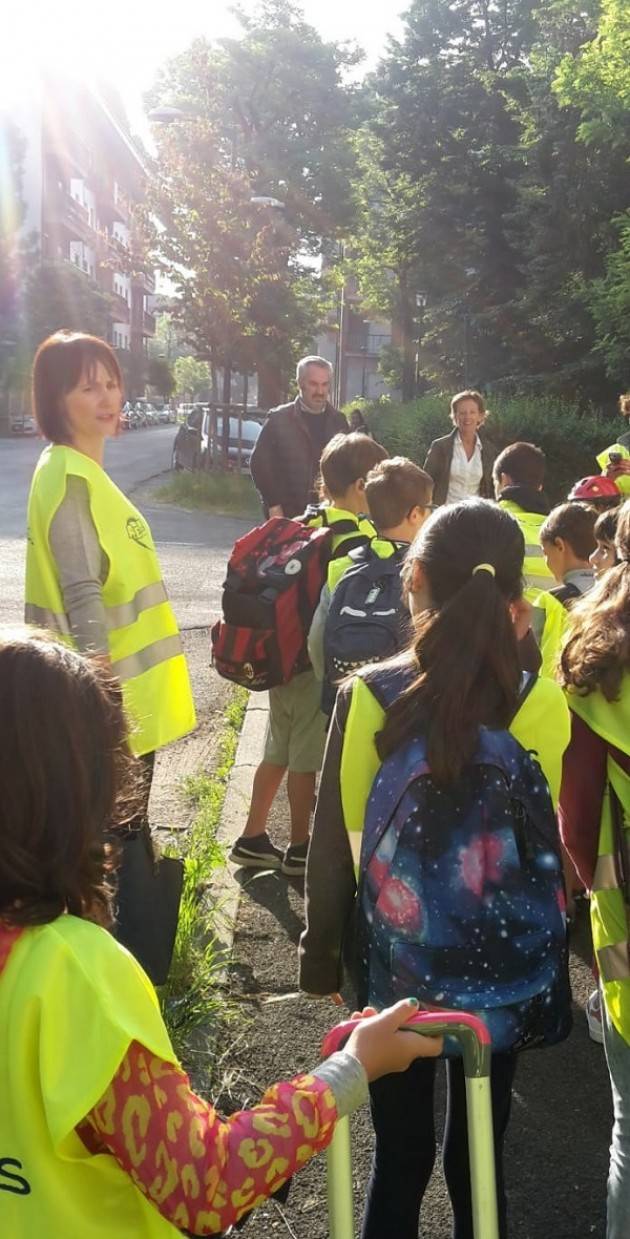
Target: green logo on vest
137,531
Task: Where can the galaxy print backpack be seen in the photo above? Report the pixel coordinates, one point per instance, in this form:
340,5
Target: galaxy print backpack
461,895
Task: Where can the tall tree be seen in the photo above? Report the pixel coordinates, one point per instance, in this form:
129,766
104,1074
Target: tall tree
594,83
568,195
444,135
269,118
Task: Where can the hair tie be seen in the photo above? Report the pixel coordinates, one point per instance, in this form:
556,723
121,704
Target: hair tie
484,568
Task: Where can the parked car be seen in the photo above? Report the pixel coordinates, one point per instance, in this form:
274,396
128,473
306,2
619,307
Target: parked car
250,431
23,425
147,412
187,444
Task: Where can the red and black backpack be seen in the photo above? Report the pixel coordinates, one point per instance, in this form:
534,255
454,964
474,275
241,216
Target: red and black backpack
275,576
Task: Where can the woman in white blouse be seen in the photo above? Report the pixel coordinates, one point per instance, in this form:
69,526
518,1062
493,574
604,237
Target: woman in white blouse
460,463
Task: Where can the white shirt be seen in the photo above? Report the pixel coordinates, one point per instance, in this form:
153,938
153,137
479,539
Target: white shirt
466,475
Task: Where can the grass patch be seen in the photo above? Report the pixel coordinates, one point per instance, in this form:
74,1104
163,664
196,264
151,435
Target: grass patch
191,993
225,494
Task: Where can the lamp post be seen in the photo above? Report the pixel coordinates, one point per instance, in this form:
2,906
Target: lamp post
471,272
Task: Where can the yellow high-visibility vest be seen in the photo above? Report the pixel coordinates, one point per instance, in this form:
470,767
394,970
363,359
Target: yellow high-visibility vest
537,574
143,637
332,516
623,479
609,911
541,725
71,1002
549,618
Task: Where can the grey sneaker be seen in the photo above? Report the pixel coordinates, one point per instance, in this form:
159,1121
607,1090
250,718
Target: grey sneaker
256,852
294,860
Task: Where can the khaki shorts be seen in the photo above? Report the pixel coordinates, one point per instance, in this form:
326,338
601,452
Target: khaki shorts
296,728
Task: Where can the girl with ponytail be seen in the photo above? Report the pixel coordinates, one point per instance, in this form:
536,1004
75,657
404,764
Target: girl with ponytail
419,748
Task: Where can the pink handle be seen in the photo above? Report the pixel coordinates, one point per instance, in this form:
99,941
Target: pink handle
440,1022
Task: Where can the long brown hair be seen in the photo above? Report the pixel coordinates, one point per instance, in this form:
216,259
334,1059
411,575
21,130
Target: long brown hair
63,765
597,653
464,650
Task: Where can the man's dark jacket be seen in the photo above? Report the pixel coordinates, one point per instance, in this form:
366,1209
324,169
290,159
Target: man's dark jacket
439,460
285,462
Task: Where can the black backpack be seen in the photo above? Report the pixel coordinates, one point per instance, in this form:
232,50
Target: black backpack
367,621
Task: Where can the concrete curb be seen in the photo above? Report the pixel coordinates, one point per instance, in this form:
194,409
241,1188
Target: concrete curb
226,890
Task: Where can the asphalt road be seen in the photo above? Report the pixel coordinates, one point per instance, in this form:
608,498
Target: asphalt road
193,547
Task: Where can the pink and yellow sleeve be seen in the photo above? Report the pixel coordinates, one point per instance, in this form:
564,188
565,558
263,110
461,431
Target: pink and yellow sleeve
204,1173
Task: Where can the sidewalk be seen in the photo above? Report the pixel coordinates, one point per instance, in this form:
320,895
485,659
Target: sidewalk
557,1147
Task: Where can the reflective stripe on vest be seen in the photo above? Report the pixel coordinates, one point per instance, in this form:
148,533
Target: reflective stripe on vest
613,962
41,617
535,570
150,656
609,911
117,617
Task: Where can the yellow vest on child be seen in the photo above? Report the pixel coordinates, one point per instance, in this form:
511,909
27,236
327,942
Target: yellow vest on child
71,1002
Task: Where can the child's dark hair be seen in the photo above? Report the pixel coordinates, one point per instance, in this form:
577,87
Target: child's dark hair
597,653
63,764
346,458
524,463
574,523
465,649
393,488
605,527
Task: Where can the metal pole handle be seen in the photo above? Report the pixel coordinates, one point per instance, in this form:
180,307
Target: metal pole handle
474,1039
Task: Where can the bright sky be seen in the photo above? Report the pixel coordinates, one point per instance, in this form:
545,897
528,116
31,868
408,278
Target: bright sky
127,40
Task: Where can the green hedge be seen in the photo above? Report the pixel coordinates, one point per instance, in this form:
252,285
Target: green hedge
570,440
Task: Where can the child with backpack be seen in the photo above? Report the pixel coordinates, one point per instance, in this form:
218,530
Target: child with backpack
365,619
434,863
101,1134
519,475
594,819
568,541
296,727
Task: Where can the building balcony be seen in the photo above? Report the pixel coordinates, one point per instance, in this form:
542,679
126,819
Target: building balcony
144,280
120,204
120,307
62,210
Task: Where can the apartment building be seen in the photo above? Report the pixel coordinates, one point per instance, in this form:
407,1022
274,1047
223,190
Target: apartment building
83,177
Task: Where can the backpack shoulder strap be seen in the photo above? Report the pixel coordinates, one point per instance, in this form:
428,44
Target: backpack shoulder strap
529,680
386,683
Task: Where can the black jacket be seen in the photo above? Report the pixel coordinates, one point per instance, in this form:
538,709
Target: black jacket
284,463
438,466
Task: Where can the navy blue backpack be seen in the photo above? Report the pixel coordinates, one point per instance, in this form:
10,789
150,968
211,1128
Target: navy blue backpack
461,894
367,621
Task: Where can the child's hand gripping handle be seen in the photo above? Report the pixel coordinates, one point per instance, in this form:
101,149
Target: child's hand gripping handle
469,1030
